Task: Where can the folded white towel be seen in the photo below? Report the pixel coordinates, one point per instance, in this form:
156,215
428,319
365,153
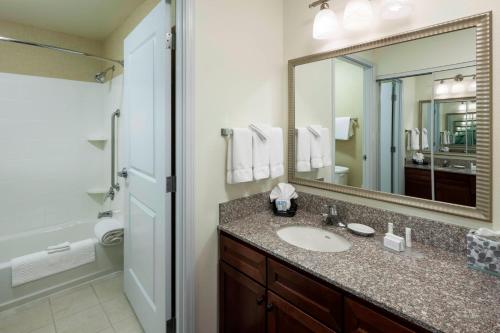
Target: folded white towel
303,148
276,154
285,192
261,130
415,139
408,140
343,128
316,147
425,139
109,231
325,147
261,149
41,264
239,156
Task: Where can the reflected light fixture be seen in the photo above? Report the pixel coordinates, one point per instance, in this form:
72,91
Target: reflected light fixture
358,15
473,85
325,22
442,88
462,107
396,9
458,86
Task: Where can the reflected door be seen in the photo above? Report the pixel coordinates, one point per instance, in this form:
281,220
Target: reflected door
148,208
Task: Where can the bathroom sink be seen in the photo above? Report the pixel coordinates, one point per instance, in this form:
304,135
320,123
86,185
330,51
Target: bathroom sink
314,239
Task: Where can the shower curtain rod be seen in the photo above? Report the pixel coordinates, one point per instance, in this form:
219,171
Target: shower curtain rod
59,49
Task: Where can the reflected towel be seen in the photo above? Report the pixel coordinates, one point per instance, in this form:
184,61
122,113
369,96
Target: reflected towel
38,265
316,146
303,150
326,147
343,128
425,139
415,139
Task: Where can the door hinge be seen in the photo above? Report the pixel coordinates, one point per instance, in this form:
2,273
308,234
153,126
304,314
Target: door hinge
393,149
171,184
170,40
171,325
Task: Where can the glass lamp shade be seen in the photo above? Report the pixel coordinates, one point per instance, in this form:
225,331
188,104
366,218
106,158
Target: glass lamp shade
442,89
396,9
458,87
472,87
358,15
325,24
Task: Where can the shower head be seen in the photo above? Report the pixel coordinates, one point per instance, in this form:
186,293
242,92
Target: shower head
101,77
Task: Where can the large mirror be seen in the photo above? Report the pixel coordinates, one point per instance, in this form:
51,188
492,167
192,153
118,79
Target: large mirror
404,119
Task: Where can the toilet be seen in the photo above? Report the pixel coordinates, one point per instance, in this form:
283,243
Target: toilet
341,176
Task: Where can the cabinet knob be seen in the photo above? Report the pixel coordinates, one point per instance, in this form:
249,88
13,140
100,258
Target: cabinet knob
269,307
260,300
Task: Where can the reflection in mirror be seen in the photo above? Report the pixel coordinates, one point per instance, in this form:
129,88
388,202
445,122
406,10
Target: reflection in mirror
398,119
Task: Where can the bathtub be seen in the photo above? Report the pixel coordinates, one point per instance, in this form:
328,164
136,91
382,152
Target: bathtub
108,260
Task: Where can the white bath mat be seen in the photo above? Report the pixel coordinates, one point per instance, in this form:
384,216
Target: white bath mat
41,264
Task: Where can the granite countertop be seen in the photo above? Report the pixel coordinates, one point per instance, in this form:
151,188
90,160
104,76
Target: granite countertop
433,289
466,171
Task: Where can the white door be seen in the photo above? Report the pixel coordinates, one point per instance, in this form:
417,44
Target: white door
147,122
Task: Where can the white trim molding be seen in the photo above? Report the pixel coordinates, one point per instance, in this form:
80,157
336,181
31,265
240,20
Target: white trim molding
185,167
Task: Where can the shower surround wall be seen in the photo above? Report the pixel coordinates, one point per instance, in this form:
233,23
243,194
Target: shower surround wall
47,163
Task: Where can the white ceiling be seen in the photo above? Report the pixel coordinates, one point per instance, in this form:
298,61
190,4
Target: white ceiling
93,19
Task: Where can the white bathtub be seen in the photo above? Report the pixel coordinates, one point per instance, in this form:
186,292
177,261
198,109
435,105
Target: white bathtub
108,260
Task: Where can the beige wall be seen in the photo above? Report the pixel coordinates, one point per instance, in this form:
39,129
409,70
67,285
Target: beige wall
239,80
299,42
20,59
349,86
113,44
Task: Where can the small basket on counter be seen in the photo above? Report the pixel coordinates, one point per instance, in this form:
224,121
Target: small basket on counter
286,213
483,253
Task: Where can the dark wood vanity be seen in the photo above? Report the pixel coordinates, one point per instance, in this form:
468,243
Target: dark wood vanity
451,187
260,293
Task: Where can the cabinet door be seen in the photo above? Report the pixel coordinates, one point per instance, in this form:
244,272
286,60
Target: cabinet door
455,188
418,183
242,302
283,317
362,319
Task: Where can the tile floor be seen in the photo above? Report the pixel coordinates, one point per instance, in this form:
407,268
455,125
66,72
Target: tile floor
97,307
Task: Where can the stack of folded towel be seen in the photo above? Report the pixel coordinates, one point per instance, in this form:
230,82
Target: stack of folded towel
313,148
109,231
255,153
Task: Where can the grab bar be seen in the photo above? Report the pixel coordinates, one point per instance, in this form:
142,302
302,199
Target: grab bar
114,184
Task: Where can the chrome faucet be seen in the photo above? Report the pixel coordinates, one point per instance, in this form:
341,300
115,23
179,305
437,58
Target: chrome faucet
332,218
108,213
110,194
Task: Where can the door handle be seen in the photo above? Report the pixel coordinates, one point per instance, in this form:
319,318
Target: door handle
269,307
260,300
123,173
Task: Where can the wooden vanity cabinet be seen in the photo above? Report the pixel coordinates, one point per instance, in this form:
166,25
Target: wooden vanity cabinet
258,293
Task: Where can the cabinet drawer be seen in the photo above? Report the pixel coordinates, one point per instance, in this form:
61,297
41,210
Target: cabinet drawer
243,258
310,296
361,318
283,317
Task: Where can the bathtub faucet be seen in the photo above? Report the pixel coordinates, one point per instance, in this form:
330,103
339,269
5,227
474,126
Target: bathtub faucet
108,213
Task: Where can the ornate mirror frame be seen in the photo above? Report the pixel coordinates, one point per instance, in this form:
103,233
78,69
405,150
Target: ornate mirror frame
482,211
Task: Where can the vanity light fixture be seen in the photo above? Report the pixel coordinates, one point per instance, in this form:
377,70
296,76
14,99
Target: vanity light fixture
472,86
442,88
325,22
358,15
458,86
462,107
396,9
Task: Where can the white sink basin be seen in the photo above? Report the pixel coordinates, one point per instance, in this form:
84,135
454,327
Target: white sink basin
314,239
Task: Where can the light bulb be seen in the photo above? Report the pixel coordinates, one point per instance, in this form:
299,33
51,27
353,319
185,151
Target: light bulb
325,23
396,9
358,15
442,88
